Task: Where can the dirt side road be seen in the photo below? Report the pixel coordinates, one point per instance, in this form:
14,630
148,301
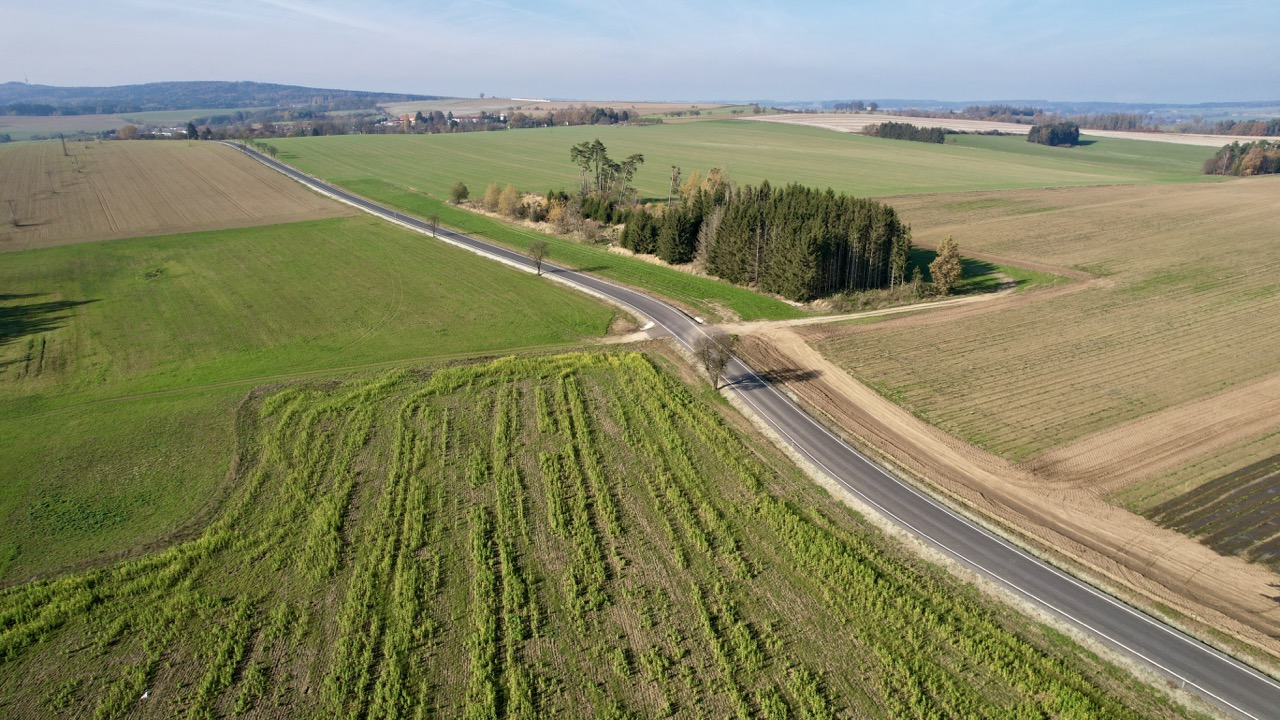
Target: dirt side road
1155,566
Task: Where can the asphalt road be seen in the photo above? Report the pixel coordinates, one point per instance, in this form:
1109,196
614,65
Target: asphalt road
1226,683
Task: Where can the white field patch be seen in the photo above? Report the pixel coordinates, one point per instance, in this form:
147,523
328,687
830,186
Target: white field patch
855,123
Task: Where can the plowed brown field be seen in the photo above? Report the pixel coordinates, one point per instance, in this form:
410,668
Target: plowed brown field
104,191
1152,566
1186,309
1153,381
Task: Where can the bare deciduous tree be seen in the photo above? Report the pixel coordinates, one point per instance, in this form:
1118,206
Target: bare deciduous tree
713,353
537,253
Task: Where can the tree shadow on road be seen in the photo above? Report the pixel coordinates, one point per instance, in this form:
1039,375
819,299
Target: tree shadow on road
774,377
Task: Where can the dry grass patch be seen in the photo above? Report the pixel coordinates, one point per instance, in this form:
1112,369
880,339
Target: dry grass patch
1187,309
105,191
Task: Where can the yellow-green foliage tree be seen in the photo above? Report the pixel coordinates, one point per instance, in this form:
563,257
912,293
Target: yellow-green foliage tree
491,195
509,201
946,268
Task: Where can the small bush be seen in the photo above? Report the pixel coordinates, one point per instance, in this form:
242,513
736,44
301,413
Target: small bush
458,193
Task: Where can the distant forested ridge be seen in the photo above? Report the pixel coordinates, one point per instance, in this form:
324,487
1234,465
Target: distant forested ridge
906,131
1253,128
1056,134
798,242
1253,158
23,99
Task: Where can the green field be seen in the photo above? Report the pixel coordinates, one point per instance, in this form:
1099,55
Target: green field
570,536
181,117
750,152
122,363
414,173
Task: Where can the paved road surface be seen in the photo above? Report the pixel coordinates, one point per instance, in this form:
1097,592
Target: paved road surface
1224,682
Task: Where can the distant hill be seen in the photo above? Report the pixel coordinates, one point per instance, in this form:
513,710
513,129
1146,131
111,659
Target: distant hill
22,99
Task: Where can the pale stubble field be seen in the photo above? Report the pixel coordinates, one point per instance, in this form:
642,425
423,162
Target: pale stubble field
1155,377
111,190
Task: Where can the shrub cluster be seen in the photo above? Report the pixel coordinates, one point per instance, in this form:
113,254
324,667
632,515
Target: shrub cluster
1056,134
1252,158
906,131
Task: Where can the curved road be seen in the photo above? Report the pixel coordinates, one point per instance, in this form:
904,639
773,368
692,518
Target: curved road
1224,682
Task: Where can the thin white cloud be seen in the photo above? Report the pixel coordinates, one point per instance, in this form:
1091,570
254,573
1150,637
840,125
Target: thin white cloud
336,17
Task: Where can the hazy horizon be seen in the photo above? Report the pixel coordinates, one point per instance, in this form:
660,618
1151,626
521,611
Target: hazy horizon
1088,51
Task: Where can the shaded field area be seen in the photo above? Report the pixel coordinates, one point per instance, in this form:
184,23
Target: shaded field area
750,152
121,363
108,190
571,535
1182,308
1236,514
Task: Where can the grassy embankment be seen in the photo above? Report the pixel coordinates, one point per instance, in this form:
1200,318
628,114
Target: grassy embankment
570,535
121,363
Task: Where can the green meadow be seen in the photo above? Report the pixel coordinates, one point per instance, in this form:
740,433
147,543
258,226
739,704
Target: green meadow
122,363
750,152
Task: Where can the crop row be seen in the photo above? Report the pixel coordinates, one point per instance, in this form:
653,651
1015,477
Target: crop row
571,535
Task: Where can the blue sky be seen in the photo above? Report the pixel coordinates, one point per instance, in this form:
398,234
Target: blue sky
1121,50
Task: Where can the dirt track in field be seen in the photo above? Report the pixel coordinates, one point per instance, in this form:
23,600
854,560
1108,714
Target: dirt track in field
121,189
851,123
1125,550
1145,448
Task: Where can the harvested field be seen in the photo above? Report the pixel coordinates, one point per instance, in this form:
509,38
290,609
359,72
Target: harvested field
1156,567
105,191
1185,309
843,122
562,536
24,127
1163,442
1236,514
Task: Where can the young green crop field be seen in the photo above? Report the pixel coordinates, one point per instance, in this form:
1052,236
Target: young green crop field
750,152
567,535
122,362
414,173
